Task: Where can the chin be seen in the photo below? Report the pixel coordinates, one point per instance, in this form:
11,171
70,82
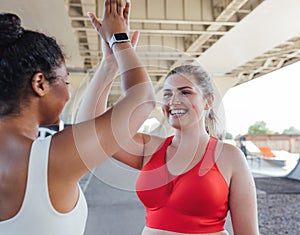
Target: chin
182,125
177,121
175,125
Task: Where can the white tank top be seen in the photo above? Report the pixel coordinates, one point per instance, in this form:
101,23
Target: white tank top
37,215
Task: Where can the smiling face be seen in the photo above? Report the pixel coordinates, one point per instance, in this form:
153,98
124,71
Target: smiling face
184,104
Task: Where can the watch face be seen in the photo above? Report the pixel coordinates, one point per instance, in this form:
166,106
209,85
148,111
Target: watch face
121,36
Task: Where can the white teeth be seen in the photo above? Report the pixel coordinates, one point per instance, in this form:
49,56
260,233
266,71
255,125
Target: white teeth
177,112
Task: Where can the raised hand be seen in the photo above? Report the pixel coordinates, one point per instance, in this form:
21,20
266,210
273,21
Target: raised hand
97,25
115,20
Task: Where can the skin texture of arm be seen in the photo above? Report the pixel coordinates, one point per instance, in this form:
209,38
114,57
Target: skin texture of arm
95,98
242,197
96,95
99,88
91,142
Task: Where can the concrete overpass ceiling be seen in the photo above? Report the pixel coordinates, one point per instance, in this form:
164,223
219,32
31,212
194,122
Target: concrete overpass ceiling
265,40
172,31
235,40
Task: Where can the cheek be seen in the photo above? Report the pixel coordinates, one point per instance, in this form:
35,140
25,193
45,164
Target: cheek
200,110
65,94
165,109
62,96
165,101
196,105
68,95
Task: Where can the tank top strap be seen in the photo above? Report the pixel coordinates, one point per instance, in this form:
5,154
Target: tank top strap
37,178
168,141
37,216
209,157
212,146
157,160
161,150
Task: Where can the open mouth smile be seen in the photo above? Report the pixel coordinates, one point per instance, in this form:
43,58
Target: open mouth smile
177,112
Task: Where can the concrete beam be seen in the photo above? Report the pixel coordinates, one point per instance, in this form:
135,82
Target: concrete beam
271,24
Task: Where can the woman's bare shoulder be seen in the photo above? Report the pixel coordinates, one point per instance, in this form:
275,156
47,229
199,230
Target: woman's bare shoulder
230,159
230,151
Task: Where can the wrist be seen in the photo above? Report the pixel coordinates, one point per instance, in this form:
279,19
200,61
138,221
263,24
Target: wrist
118,38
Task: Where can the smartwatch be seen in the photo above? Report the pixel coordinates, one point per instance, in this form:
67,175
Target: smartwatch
117,38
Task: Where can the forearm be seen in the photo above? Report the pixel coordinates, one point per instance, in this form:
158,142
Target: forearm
116,127
132,71
138,101
96,95
134,77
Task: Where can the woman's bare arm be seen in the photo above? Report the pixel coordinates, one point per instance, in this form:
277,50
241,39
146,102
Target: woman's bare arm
243,204
85,145
95,98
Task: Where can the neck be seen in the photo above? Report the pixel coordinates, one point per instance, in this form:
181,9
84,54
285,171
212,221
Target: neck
195,135
186,149
24,125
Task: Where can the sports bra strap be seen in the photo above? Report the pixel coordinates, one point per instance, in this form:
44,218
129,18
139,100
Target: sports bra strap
209,158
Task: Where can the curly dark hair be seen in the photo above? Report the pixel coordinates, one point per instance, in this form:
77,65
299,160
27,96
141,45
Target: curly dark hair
22,54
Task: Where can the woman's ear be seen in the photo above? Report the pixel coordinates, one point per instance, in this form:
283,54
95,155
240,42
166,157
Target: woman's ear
209,102
39,84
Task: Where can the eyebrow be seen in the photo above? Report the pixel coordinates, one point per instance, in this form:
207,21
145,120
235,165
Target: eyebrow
180,88
184,87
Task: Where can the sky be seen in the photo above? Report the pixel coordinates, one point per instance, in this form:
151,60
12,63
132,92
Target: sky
273,98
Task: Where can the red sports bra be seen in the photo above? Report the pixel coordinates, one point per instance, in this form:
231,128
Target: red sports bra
192,202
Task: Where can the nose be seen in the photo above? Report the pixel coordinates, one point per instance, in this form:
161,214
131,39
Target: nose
174,99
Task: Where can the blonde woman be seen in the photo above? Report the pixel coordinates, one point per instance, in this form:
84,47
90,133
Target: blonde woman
190,180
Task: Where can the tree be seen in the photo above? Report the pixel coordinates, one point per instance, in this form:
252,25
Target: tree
291,131
228,136
260,127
